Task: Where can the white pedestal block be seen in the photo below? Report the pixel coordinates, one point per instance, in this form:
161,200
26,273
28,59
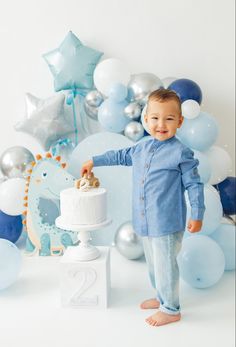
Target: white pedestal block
85,283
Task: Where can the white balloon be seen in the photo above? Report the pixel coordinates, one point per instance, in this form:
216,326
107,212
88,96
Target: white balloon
108,72
220,162
12,194
190,109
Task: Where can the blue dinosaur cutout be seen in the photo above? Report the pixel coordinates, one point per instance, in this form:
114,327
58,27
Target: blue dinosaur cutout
47,179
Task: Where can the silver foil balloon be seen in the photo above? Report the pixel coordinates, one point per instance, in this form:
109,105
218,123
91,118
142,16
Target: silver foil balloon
134,131
91,111
128,243
15,161
2,179
45,120
94,98
133,111
141,85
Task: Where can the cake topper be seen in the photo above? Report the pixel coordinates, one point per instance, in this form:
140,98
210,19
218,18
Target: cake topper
87,182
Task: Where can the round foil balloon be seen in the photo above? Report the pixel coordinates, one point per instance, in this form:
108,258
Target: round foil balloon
134,131
15,161
141,85
128,243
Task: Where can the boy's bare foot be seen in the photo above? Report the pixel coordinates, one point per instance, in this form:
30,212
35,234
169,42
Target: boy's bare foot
161,318
150,303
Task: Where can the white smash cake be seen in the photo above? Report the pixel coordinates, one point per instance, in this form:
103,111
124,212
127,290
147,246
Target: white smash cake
83,204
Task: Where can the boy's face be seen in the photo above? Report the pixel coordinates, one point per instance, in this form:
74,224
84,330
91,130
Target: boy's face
163,119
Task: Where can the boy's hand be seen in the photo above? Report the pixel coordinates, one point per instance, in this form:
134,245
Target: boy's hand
194,225
87,167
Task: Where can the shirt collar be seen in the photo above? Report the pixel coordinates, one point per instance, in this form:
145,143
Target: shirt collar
159,143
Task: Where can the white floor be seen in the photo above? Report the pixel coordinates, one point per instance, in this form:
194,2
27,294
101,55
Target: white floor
30,312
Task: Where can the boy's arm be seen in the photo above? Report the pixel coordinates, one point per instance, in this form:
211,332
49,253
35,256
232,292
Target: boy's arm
191,182
118,157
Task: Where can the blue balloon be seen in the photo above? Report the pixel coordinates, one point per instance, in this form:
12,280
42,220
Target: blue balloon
10,263
72,64
116,179
224,235
199,133
118,92
201,261
10,227
111,115
186,89
227,190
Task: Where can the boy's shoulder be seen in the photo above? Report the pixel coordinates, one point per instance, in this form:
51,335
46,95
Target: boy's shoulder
181,146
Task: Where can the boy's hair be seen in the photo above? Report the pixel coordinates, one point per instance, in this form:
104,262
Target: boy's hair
163,95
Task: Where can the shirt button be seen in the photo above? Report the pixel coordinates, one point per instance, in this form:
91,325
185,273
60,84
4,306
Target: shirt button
142,181
146,165
142,198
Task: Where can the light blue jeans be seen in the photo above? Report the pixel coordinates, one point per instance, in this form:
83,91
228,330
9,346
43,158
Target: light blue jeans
161,256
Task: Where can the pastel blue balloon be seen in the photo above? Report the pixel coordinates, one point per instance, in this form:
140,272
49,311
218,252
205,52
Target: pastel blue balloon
204,168
201,261
111,115
224,235
116,179
72,64
199,133
213,213
118,92
10,263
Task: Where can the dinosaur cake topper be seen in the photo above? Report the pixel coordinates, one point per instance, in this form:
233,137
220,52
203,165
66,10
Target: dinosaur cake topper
47,178
87,182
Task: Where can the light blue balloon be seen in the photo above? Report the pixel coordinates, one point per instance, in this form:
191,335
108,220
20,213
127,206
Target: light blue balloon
224,235
201,261
111,115
213,213
204,168
118,92
72,64
10,263
116,179
199,133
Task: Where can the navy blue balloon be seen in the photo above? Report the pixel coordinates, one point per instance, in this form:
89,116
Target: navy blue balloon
227,190
186,89
10,227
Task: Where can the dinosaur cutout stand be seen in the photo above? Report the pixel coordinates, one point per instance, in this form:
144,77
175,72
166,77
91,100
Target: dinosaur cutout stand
47,177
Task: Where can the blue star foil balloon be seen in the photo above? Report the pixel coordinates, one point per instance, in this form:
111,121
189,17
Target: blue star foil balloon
45,120
72,64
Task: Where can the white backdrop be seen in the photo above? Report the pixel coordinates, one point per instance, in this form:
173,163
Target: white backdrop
181,38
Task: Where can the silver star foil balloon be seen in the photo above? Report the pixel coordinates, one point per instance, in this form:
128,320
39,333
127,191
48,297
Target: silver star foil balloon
128,243
15,161
45,120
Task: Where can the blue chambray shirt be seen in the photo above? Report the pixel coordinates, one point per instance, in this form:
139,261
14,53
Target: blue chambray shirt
162,170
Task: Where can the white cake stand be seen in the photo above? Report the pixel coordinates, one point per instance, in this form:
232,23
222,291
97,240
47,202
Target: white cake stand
84,251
